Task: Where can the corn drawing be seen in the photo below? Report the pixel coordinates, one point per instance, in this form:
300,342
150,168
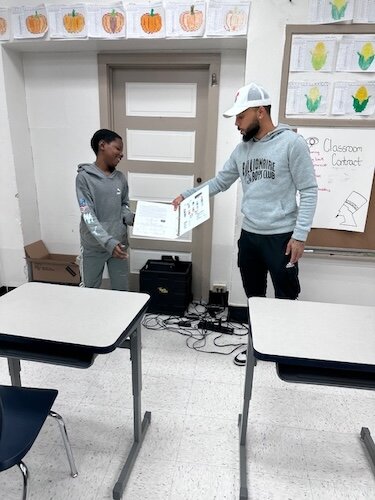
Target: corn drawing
319,56
313,99
366,56
338,9
360,99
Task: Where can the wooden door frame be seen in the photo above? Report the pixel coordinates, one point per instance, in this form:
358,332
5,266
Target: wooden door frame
107,63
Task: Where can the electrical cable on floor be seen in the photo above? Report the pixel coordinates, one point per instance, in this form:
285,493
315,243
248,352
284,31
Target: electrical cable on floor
196,324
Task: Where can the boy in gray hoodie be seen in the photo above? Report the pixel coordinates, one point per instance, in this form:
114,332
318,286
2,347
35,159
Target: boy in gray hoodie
102,193
273,164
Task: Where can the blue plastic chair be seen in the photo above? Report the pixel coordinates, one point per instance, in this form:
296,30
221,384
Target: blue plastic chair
23,411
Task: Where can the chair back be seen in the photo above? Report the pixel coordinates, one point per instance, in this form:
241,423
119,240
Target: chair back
1,417
24,411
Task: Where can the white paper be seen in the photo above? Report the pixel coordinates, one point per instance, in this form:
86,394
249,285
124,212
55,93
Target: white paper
194,210
312,53
364,11
356,54
353,98
330,11
158,220
106,21
67,21
145,20
227,17
184,19
307,98
344,162
29,22
4,24
161,220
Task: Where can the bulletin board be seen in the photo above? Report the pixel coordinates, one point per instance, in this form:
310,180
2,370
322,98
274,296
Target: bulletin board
309,39
323,68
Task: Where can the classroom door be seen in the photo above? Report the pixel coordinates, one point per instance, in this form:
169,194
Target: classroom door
162,111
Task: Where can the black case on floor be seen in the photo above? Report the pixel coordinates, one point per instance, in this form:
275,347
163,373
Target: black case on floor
168,281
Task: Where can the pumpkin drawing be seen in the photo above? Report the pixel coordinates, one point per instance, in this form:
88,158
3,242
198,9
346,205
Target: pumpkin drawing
234,20
113,21
74,22
151,23
3,26
36,24
191,20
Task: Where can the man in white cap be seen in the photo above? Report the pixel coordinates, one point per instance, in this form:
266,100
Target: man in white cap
273,163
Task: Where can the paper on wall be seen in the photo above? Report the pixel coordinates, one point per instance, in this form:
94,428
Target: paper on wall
307,98
364,11
29,22
184,19
312,53
145,20
330,11
4,24
344,162
353,98
106,21
227,17
357,54
67,21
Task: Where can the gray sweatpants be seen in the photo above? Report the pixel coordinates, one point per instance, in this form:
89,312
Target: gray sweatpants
92,267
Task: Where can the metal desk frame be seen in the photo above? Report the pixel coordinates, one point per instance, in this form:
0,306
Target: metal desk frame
308,371
83,357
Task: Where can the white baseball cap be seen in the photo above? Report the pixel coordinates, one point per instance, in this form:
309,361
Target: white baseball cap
249,96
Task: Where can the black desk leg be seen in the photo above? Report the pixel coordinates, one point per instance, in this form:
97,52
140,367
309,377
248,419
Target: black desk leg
14,366
242,419
369,445
140,427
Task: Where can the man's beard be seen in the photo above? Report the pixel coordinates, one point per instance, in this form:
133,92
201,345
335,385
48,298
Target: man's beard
251,133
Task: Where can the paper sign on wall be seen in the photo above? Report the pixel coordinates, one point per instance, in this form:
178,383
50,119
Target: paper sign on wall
4,24
344,162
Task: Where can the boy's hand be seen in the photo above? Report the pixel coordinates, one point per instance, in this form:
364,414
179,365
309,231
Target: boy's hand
119,252
176,202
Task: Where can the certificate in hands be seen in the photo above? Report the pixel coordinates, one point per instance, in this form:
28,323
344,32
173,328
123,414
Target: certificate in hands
161,220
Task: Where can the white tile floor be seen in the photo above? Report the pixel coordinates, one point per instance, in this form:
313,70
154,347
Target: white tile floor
303,440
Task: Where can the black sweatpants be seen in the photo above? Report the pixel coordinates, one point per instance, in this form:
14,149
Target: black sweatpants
259,254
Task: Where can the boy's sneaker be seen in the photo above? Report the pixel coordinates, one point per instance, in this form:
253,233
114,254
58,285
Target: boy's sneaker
240,359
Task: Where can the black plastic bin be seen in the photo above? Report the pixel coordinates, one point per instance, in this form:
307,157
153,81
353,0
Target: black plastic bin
168,281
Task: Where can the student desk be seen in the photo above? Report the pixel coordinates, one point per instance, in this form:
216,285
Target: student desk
313,343
70,326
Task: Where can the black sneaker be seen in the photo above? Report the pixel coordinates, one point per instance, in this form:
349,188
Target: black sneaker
240,359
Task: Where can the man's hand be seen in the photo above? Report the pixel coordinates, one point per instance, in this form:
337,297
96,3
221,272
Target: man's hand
119,252
176,202
295,250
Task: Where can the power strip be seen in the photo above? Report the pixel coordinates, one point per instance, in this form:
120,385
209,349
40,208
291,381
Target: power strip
208,325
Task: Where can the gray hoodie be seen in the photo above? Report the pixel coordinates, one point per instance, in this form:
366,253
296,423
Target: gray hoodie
104,204
272,170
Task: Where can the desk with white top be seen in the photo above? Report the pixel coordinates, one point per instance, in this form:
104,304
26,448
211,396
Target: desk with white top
313,343
70,326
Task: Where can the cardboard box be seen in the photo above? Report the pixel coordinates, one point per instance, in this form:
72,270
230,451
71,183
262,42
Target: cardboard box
51,267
